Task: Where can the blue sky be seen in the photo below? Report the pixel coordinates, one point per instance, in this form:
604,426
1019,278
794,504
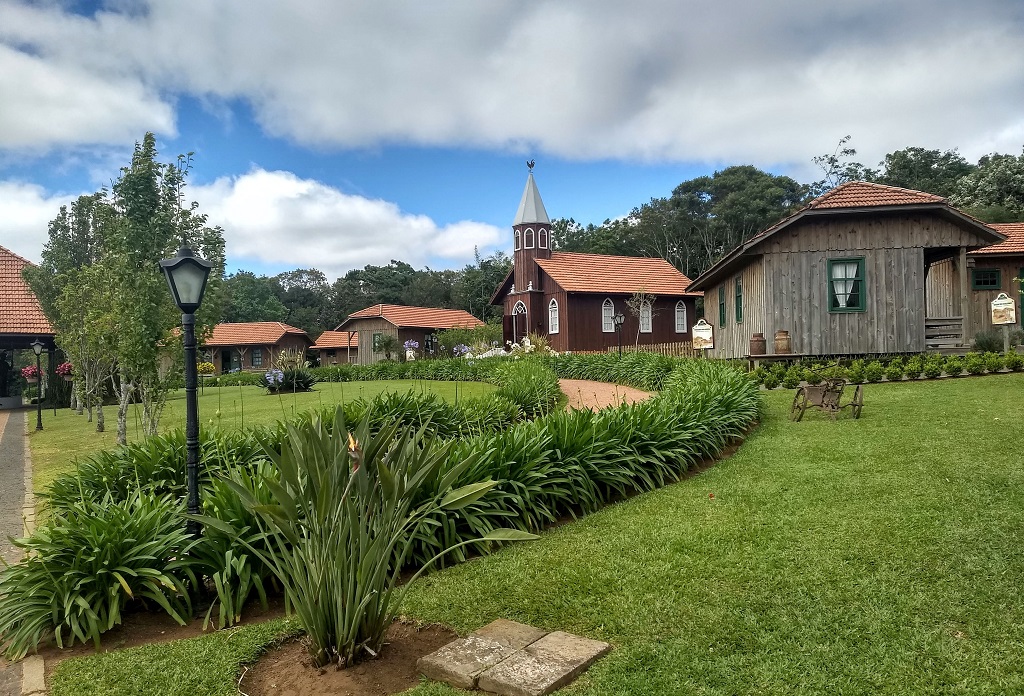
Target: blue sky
334,135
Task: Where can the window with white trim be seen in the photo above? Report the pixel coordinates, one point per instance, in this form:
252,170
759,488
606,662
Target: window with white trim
681,317
528,238
608,316
542,238
846,285
553,316
519,240
645,317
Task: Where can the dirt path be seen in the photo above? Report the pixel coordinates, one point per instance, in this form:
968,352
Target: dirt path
598,395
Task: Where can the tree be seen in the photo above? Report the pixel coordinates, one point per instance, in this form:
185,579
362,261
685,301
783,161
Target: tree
994,191
248,297
839,168
932,171
475,284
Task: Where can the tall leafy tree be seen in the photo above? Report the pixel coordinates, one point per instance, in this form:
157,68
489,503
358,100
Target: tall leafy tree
994,191
932,171
248,298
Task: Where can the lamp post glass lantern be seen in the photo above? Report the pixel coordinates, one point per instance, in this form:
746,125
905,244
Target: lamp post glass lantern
619,320
37,348
186,276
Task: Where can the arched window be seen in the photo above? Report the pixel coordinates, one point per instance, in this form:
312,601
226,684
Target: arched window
608,316
680,317
542,238
520,308
645,317
553,316
528,238
519,240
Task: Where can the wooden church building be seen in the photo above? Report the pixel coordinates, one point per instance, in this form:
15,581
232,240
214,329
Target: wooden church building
574,299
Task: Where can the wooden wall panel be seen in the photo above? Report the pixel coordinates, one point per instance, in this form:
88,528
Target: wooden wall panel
734,338
981,311
941,296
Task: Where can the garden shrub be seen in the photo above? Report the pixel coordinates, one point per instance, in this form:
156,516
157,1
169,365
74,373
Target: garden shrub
894,370
1014,361
974,363
914,367
994,362
287,381
771,381
988,341
235,379
86,563
873,371
794,375
933,366
814,374
856,372
954,366
530,384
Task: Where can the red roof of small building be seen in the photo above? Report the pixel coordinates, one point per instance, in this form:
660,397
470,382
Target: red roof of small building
256,333
1014,243
20,312
337,339
863,194
420,317
614,274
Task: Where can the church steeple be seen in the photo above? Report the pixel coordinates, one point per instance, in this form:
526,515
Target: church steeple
531,232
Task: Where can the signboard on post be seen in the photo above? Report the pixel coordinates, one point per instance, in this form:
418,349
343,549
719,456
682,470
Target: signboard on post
703,336
1003,310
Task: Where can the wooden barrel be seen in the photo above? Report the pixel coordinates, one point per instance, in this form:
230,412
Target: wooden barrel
782,343
758,344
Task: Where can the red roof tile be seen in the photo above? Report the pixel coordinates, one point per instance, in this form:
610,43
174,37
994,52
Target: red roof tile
420,317
338,339
20,312
257,333
614,274
862,194
1014,243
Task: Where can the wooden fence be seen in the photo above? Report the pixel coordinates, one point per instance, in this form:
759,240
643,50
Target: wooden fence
680,349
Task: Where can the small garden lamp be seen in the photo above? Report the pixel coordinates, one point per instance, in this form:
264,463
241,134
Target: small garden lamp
37,348
186,276
619,320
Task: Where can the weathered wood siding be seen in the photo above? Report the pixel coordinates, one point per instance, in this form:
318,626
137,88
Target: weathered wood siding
981,309
942,290
366,328
585,325
876,231
733,339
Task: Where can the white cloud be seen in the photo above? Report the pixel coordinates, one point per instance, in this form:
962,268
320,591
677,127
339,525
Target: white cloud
25,211
278,219
768,83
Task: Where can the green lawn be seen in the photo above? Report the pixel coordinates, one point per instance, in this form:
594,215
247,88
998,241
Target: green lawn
67,435
878,556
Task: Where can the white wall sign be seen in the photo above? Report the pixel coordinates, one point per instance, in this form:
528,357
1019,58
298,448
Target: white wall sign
703,335
1003,310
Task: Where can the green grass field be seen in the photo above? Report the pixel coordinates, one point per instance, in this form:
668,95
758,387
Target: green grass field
879,556
68,436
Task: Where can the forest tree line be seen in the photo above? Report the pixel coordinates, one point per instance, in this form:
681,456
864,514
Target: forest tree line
700,221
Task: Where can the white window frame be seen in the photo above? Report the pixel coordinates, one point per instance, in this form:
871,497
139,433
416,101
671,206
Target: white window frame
519,240
553,316
608,316
519,308
542,238
681,315
528,238
646,317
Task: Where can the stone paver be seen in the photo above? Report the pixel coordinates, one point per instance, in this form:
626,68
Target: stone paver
512,659
543,666
12,499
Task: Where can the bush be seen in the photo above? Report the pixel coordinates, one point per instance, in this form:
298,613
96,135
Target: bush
994,362
933,368
87,563
814,374
914,367
894,370
530,384
287,381
235,379
794,375
954,366
1014,361
974,363
873,372
856,372
479,339
771,381
988,341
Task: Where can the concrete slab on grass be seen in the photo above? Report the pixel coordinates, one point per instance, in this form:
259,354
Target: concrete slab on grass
543,666
512,633
460,662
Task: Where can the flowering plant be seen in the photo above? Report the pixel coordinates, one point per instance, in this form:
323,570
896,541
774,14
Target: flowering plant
274,377
65,369
460,349
203,368
30,372
411,345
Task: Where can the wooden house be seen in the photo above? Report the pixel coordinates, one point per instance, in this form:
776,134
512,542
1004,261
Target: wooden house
253,345
336,347
418,324
864,269
994,269
573,299
22,322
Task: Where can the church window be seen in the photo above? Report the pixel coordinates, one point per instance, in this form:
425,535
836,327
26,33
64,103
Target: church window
519,240
553,316
680,317
528,238
608,316
645,317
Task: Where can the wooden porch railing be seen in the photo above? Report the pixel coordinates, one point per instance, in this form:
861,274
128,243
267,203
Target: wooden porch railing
943,332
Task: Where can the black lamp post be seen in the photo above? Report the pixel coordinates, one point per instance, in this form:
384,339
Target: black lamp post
37,348
187,275
619,320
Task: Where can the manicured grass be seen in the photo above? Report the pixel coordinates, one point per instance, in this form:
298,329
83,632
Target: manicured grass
68,436
206,666
847,557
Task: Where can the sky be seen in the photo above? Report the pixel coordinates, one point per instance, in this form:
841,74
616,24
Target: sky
339,134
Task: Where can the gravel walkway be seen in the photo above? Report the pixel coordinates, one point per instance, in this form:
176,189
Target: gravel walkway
598,395
12,498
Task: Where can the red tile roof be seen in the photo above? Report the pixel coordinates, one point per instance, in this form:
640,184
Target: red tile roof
337,339
257,333
614,274
862,194
420,317
1014,243
20,312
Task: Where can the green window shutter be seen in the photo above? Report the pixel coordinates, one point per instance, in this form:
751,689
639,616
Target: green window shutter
846,285
721,305
986,279
739,300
